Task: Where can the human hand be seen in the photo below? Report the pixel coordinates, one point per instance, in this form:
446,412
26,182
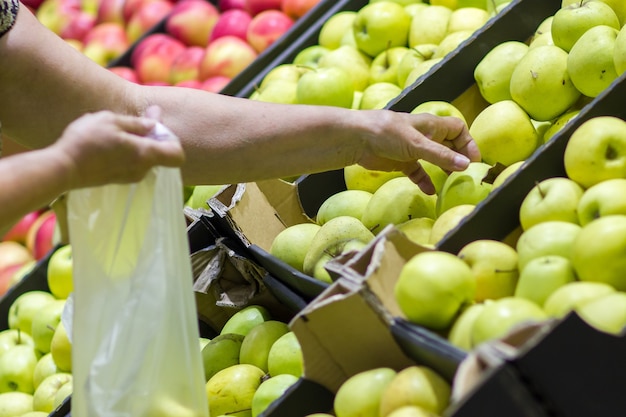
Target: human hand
398,140
104,147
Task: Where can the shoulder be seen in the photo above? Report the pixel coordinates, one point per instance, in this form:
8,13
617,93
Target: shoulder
8,12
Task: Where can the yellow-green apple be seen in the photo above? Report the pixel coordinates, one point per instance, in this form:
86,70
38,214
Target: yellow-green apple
15,403
378,95
233,22
59,272
308,57
496,6
504,133
201,194
455,4
245,319
501,316
153,56
596,252
572,21
596,151
384,66
224,5
606,313
419,70
146,17
344,203
287,72
17,232
266,27
17,365
203,341
40,239
334,29
340,249
451,42
358,177
360,393
541,85
127,73
541,39
43,397
400,2
418,230
45,322
464,187
61,348
186,65
448,220
553,237
543,275
506,173
271,390
437,175
277,91
285,356
297,8
460,334
162,406
45,367
433,287
226,56
192,21
416,385
467,18
14,337
429,25
395,202
494,267
602,199
330,86
554,198
231,390
105,42
559,123
412,59
590,61
356,101
65,392
572,295
350,59
255,7
215,84
25,307
414,8
439,108
291,244
220,353
379,26
619,7
619,52
493,71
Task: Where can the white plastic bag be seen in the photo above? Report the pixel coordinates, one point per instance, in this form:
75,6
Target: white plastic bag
135,333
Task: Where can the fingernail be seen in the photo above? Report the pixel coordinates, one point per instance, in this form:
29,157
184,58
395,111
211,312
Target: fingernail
461,162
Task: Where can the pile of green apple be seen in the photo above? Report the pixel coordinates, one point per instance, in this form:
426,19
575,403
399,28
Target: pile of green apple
252,362
365,58
414,391
568,257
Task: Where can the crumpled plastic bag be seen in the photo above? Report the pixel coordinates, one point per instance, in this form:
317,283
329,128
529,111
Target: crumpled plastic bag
135,337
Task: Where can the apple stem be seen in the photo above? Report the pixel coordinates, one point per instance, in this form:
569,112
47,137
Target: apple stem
541,192
265,377
498,271
52,328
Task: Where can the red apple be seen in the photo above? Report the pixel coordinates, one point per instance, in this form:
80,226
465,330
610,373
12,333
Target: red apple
127,73
56,14
153,57
255,7
266,27
191,21
111,11
215,84
186,65
40,237
105,42
18,231
224,5
79,24
297,8
13,253
147,17
233,22
7,276
226,56
132,6
33,5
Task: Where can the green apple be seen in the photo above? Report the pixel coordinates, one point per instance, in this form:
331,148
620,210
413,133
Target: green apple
451,42
590,61
245,319
504,133
619,7
542,276
61,348
619,52
344,203
606,313
457,4
308,58
378,95
541,85
35,414
66,391
414,8
395,202
44,395
570,296
341,248
287,72
429,25
384,66
277,91
203,341
605,198
495,6
460,334
330,86
416,385
541,40
448,220
499,317
201,194
360,394
412,59
506,173
271,390
231,390
410,411
420,70
356,102
256,346
45,322
493,72
572,21
285,356
17,366
379,26
358,177
403,3
350,59
544,27
559,124
291,244
220,353
439,108
597,252
59,272
437,175
334,29
554,237
417,230
25,307
467,18
554,198
464,187
45,367
13,337
494,267
160,406
15,404
596,151
433,287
